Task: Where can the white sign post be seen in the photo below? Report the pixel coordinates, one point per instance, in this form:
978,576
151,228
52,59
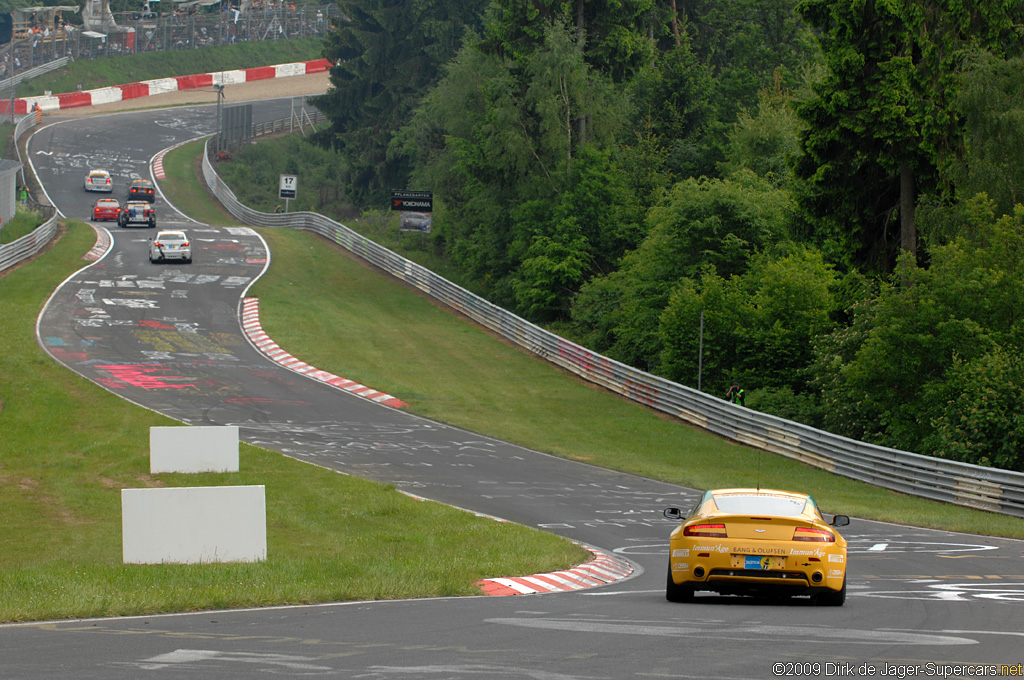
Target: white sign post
289,185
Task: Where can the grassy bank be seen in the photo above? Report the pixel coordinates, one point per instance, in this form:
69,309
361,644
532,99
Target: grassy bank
24,222
69,447
377,331
119,70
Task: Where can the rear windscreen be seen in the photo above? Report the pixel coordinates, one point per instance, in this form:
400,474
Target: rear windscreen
761,504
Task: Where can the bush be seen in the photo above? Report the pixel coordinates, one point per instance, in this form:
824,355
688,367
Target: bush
25,221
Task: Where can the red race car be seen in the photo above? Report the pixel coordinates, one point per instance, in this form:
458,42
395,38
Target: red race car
106,209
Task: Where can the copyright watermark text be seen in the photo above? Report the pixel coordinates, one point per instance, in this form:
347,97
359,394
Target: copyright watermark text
828,669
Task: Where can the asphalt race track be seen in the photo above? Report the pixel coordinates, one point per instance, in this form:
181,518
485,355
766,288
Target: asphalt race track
168,337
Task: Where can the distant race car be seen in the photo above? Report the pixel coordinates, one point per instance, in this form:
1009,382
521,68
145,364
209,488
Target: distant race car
99,180
415,221
757,541
106,209
141,190
170,245
136,212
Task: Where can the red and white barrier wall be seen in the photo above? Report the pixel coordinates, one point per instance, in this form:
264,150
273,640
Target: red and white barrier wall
148,88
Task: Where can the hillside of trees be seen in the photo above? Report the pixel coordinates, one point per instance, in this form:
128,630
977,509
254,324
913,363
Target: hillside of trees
833,186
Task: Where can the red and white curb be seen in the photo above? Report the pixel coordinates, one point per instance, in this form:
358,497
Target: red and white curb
147,88
601,570
252,328
158,165
102,245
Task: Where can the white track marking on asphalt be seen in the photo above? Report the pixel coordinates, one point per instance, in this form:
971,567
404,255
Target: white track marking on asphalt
843,636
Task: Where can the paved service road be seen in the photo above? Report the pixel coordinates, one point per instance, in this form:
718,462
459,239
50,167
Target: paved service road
168,337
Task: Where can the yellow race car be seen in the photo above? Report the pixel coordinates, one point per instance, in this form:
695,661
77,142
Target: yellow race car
757,541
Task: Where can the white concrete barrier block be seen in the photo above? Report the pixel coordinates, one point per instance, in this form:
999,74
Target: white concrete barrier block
194,525
193,449
161,85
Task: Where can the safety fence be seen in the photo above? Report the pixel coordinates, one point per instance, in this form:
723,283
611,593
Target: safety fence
137,33
301,120
30,244
8,83
963,484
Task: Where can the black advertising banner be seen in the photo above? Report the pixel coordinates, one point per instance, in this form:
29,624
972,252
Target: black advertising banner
417,201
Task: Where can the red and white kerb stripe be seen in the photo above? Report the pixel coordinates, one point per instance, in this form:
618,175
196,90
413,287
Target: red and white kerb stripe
252,328
599,571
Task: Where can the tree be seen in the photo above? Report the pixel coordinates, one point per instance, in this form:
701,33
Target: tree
744,43
989,104
758,326
385,55
863,145
610,34
699,222
500,140
981,422
673,100
565,243
882,122
766,141
887,377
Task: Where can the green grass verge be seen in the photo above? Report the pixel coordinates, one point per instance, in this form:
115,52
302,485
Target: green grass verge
182,188
120,70
377,331
69,447
24,222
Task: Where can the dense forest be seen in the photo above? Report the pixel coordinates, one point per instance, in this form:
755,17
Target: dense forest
829,188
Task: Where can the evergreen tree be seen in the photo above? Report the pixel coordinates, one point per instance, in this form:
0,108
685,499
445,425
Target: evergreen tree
882,122
385,55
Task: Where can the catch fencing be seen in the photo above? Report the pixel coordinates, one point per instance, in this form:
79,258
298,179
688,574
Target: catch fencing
299,121
973,486
27,57
14,81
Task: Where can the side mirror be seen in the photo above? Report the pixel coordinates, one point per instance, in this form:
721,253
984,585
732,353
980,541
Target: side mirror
840,520
673,513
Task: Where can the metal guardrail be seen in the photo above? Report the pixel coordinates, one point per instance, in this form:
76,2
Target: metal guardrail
20,128
8,83
287,125
29,244
963,484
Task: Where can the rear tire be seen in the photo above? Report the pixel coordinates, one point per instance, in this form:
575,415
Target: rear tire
675,592
833,598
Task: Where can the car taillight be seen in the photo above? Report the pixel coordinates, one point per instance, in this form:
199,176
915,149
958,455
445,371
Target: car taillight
816,535
158,244
185,244
706,530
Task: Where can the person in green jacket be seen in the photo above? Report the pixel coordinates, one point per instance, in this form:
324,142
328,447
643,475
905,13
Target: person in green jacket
736,395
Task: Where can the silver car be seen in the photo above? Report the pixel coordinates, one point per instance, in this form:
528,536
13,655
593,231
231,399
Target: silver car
99,180
170,245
